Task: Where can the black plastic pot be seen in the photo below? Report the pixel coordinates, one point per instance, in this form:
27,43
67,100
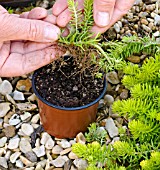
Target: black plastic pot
63,122
16,3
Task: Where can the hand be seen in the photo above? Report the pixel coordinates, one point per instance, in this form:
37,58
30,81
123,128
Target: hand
105,12
21,57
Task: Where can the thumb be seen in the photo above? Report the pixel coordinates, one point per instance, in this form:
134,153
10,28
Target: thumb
102,12
14,28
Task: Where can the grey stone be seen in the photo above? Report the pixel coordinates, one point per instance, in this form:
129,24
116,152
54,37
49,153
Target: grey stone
108,99
111,128
17,95
4,108
112,77
5,87
31,156
80,164
58,162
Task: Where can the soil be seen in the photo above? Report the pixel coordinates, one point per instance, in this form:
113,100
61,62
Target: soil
66,85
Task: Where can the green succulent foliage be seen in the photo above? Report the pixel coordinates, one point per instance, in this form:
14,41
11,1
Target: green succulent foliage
132,45
96,134
93,152
153,163
149,72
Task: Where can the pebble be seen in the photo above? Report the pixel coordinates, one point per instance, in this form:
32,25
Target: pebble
146,28
19,163
58,162
35,118
3,162
44,138
26,106
134,59
31,156
57,149
32,98
24,85
26,116
14,120
3,141
8,154
27,129
5,87
14,157
13,143
124,94
39,151
1,123
50,143
26,161
64,144
65,151
10,99
117,27
80,138
111,128
72,155
17,95
112,77
157,19
4,108
80,164
108,99
10,131
25,145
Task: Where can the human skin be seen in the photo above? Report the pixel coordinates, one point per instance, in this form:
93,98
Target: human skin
25,42
105,12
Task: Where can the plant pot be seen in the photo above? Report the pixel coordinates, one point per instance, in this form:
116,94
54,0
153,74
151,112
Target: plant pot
66,122
16,3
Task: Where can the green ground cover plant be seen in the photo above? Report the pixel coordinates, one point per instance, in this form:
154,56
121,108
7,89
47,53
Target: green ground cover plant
140,148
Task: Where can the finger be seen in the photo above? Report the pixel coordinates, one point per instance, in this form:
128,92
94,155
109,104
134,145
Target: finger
27,47
4,52
121,8
51,19
35,13
102,12
23,64
64,18
13,28
59,6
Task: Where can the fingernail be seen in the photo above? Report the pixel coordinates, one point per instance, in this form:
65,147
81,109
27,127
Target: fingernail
51,34
103,19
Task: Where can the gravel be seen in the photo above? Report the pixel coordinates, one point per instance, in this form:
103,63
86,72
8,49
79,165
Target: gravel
19,115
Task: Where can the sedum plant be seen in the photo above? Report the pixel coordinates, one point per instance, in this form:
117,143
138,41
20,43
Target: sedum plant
140,149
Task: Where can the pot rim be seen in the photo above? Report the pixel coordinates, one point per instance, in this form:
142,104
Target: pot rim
67,108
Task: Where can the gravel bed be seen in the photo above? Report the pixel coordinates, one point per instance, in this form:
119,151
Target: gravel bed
23,142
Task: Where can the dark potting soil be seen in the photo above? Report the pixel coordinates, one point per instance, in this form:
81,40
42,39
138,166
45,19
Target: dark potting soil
66,85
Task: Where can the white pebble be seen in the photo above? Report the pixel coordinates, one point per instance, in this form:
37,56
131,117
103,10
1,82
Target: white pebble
19,163
25,116
13,143
5,87
3,162
25,145
17,95
4,108
27,129
14,157
3,141
39,151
